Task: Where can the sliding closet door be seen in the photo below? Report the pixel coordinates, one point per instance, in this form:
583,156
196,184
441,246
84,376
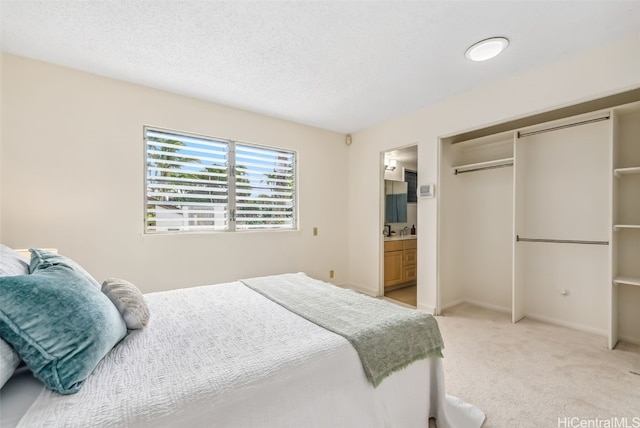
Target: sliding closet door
563,222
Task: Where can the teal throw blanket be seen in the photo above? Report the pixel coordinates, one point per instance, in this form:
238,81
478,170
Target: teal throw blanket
386,336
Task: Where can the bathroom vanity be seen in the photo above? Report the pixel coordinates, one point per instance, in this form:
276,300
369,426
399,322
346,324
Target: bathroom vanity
400,256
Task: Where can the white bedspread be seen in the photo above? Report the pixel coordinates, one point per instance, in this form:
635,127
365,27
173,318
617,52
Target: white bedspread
225,356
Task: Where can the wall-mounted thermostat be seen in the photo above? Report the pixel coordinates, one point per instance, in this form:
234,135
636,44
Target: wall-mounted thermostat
427,191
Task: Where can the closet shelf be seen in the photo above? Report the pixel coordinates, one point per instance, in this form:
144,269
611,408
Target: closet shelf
497,163
625,226
622,171
626,280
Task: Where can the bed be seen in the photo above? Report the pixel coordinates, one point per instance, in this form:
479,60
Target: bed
231,355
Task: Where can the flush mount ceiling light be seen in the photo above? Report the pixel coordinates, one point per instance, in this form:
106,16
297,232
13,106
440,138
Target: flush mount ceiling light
486,49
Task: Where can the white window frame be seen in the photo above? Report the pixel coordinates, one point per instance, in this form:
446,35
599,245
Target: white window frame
232,220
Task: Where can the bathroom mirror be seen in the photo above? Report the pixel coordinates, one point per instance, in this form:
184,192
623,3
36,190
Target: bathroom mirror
395,201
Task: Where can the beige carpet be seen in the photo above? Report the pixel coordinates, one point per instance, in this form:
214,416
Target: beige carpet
537,375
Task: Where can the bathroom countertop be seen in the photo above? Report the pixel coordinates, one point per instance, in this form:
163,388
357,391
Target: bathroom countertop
400,237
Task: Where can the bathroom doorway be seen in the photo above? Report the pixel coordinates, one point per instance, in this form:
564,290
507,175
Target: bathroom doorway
400,224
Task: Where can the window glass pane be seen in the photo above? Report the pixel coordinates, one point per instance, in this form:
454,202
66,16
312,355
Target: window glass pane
411,177
186,182
265,193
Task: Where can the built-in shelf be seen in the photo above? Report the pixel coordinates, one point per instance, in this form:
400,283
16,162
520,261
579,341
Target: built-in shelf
626,280
622,171
625,226
497,163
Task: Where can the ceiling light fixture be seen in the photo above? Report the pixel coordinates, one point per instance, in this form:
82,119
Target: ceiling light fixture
486,49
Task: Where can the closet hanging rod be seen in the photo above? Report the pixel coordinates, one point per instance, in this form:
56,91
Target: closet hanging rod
561,241
569,125
482,168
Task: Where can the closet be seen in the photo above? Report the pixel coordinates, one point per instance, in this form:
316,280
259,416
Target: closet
543,220
476,222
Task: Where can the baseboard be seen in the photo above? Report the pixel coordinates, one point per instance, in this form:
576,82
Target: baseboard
451,305
358,289
627,339
489,306
477,303
562,323
540,318
427,308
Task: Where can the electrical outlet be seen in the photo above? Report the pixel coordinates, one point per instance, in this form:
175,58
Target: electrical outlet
331,273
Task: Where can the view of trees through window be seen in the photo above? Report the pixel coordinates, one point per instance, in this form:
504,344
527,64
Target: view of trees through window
196,183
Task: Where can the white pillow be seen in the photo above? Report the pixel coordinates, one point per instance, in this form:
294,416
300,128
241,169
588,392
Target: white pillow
129,300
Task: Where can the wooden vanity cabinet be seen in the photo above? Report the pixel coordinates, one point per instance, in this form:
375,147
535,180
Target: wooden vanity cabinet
400,262
409,260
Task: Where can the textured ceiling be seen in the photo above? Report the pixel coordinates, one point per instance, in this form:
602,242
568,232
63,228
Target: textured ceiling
336,65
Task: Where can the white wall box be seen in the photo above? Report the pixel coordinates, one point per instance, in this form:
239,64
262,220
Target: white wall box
543,221
427,190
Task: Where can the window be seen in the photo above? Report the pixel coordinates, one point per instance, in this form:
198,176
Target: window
197,183
411,177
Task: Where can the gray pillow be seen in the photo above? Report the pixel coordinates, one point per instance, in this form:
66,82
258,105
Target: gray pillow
129,300
12,263
9,360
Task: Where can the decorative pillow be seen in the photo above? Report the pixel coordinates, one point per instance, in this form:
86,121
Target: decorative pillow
41,259
59,322
9,360
129,300
12,263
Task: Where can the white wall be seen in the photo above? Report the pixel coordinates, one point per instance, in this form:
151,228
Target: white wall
1,57
602,71
71,171
72,175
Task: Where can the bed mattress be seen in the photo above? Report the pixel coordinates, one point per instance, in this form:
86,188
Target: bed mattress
226,356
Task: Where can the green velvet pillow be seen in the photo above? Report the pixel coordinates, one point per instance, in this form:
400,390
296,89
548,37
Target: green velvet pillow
60,323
